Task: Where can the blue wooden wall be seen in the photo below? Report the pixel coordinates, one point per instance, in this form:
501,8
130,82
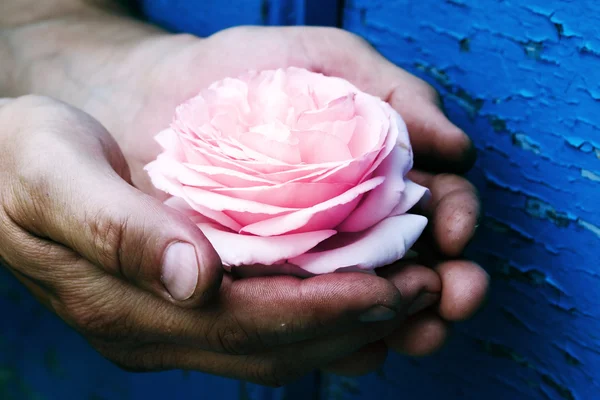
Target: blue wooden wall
523,78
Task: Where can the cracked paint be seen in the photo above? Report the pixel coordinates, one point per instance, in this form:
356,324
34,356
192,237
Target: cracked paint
523,79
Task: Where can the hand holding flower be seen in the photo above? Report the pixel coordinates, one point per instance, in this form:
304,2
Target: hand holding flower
145,74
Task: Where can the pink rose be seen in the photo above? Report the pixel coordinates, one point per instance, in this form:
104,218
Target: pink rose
292,168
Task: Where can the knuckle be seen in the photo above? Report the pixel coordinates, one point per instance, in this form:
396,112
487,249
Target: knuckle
233,338
27,202
106,233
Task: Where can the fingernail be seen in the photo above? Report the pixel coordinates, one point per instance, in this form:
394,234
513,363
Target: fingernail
180,270
378,313
423,301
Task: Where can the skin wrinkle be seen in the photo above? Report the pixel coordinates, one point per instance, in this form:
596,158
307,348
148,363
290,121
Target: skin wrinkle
85,38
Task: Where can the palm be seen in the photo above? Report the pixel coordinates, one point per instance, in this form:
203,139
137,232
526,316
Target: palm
187,67
151,79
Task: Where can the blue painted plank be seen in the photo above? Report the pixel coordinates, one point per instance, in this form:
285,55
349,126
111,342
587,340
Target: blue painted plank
206,17
209,16
523,78
42,358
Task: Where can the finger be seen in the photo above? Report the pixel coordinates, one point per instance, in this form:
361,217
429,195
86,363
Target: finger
240,320
244,320
97,214
466,286
364,361
437,142
272,368
439,145
401,275
454,210
422,334
404,275
310,308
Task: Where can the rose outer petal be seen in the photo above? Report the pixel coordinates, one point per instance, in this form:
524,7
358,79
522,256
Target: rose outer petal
187,207
174,170
237,250
326,215
379,203
380,245
412,195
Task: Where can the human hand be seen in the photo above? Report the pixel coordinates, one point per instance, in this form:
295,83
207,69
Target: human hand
131,77
142,283
182,65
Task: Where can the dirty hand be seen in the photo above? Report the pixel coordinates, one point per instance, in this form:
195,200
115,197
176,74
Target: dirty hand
143,284
181,65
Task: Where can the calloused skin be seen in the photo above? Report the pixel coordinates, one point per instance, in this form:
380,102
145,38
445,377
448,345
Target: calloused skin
87,234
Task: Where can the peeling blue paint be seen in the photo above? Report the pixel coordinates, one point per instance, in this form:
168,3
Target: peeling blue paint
523,78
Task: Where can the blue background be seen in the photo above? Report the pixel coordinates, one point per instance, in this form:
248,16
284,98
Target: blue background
523,79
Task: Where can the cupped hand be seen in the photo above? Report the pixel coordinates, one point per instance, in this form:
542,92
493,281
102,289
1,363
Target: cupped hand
158,73
142,283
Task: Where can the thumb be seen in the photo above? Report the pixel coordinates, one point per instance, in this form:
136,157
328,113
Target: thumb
134,236
84,204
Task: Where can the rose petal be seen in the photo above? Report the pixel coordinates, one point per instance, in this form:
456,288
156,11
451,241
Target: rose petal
236,249
326,215
328,88
341,109
343,130
319,147
288,195
349,171
175,170
193,210
246,166
194,113
169,140
352,172
380,245
274,149
230,178
391,141
270,95
244,218
372,124
219,202
379,203
412,195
